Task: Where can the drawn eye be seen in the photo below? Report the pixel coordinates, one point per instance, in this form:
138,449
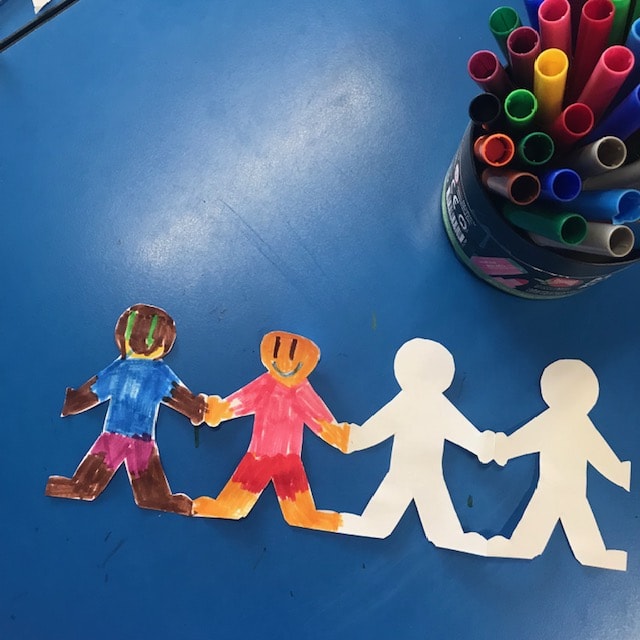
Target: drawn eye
276,347
292,350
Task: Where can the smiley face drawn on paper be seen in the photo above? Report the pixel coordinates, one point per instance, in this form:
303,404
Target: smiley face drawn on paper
288,357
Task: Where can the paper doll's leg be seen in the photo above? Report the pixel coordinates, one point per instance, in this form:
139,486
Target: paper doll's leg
383,512
530,537
440,522
88,482
294,495
149,482
586,541
239,494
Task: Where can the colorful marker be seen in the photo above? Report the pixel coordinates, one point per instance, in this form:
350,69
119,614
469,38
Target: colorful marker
617,206
485,110
502,22
487,72
602,239
607,77
561,185
536,149
520,187
605,154
520,107
496,149
564,227
549,79
532,7
595,24
523,47
554,17
623,121
573,124
619,26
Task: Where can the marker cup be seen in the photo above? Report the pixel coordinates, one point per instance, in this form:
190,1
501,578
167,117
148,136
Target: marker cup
504,255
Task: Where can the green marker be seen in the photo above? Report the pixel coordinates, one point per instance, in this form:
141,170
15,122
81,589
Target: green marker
536,149
568,228
520,107
502,22
618,33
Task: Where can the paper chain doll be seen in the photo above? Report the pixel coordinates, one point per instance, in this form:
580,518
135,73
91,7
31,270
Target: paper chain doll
419,418
566,440
135,385
283,401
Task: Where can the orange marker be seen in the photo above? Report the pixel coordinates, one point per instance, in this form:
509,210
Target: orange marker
496,149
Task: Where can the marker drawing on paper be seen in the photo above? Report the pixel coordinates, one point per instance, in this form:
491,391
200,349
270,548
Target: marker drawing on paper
135,385
282,401
419,418
566,441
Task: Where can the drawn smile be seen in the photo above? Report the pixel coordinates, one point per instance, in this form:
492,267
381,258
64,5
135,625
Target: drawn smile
286,374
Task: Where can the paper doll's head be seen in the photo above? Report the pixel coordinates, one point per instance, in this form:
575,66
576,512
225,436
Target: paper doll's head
288,357
145,331
423,365
569,384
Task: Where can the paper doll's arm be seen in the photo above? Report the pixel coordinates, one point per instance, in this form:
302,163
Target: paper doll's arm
187,403
380,426
527,439
80,399
603,458
463,432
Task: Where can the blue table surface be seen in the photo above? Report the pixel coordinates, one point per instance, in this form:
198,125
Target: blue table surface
251,166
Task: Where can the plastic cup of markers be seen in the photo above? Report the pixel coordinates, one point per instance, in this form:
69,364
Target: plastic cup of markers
500,254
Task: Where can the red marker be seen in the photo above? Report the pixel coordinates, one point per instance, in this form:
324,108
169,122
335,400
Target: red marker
554,17
523,47
612,69
487,72
496,149
596,20
575,122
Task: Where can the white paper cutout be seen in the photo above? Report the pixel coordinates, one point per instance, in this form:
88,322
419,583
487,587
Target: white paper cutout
420,418
566,440
38,4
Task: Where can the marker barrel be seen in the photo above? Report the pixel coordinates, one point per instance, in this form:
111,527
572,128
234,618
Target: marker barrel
520,187
633,44
520,108
532,7
485,110
566,228
610,72
502,22
496,149
617,206
605,154
535,149
619,26
549,80
554,17
523,47
560,185
626,177
488,73
573,124
595,24
622,121
602,239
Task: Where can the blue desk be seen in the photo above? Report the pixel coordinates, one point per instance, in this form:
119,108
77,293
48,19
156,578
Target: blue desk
251,166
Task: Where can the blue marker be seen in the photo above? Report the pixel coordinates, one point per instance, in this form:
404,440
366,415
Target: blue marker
532,7
561,185
618,206
622,121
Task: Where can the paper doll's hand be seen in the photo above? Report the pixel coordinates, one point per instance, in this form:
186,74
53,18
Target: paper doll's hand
336,434
217,411
501,454
487,447
626,475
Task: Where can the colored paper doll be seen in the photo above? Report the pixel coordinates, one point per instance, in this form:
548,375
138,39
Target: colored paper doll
419,418
135,385
566,440
282,402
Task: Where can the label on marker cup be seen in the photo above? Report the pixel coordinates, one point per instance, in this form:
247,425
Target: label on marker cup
496,252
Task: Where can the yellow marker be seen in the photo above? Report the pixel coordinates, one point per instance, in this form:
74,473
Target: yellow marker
549,79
